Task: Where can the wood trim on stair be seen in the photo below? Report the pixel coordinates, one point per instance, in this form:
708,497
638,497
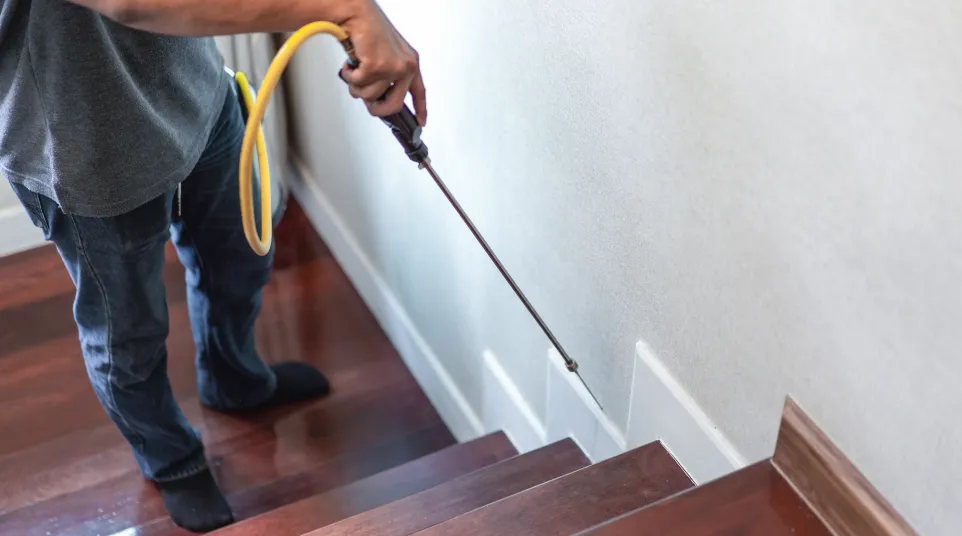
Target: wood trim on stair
579,500
829,482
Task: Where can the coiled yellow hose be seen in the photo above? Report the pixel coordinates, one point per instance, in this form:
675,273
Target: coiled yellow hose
254,135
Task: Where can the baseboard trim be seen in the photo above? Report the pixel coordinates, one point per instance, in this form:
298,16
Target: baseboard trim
661,409
573,412
829,482
506,409
417,354
19,233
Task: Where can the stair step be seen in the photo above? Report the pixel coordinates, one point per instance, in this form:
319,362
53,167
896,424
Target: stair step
579,500
755,501
31,276
91,457
413,477
28,323
464,494
277,501
249,461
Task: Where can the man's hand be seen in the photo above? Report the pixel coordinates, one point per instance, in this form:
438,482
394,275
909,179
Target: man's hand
389,67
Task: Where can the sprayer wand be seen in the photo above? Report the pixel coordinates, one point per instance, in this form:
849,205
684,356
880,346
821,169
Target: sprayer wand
406,129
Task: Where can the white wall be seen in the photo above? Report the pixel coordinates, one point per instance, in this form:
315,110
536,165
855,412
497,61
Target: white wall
767,194
17,232
7,197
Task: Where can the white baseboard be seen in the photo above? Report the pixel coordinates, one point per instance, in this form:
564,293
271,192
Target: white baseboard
506,409
437,384
19,233
573,412
662,409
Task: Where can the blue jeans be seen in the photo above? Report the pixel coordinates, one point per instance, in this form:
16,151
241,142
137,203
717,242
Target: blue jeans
120,307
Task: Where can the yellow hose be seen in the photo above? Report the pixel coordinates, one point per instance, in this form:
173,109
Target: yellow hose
254,135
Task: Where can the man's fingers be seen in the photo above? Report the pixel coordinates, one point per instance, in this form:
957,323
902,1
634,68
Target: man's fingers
393,101
372,71
419,96
370,92
383,86
363,75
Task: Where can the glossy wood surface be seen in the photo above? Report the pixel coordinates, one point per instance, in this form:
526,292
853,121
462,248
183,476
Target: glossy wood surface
281,491
755,501
829,482
580,500
321,510
41,368
65,470
461,495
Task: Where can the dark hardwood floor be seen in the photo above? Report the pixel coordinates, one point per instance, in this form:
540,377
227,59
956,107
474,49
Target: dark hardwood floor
65,470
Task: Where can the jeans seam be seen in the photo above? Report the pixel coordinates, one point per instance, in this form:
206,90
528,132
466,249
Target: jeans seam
110,352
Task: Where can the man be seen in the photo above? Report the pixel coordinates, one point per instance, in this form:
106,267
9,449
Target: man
106,107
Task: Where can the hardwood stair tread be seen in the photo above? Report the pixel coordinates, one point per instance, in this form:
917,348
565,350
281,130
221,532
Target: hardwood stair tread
32,275
38,312
365,445
323,509
464,494
90,457
579,500
755,501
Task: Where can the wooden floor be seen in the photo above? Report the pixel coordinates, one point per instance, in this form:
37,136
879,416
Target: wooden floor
65,470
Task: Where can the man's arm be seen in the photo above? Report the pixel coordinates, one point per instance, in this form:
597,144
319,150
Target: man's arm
387,61
223,17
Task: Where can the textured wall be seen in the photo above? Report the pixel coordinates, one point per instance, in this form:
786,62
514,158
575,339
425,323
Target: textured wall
767,193
17,232
7,198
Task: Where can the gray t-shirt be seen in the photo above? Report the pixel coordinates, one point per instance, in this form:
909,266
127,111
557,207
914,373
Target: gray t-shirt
97,116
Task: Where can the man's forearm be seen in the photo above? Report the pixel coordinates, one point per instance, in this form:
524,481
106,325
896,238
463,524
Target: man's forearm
221,17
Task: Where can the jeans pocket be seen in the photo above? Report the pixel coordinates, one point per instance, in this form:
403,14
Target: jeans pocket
31,201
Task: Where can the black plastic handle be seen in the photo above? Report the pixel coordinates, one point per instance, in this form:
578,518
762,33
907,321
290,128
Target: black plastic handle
404,124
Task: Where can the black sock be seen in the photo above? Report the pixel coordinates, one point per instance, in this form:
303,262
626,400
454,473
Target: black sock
196,503
297,382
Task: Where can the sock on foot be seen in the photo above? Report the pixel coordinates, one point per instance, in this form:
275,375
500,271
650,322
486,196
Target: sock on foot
196,503
297,382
